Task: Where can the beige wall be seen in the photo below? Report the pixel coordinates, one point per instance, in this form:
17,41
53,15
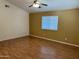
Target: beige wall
68,26
14,21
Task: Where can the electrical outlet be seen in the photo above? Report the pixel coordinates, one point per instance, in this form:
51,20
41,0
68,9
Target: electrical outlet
66,38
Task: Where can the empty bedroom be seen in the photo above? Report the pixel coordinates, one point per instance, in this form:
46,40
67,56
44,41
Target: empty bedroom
39,29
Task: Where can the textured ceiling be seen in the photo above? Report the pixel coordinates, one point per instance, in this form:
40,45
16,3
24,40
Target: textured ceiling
52,5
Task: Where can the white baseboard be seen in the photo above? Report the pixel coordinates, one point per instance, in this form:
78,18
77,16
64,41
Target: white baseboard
13,38
55,41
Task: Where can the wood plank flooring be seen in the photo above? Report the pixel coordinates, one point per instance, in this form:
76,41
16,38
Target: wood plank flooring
35,48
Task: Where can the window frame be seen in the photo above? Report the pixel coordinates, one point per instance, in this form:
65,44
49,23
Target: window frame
50,26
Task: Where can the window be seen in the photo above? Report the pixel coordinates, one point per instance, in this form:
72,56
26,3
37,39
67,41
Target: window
50,22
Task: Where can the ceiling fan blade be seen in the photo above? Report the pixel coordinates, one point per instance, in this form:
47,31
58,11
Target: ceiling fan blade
35,1
30,5
44,4
39,6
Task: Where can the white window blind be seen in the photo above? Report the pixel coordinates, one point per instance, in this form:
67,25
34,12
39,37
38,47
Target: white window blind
50,22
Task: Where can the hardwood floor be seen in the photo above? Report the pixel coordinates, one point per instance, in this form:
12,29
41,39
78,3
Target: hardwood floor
35,48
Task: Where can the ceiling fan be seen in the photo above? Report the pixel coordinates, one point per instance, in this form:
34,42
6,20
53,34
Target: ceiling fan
37,4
